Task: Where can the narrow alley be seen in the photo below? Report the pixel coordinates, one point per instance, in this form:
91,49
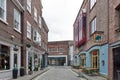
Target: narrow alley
59,73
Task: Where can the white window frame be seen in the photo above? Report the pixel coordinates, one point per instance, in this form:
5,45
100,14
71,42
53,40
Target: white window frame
28,30
40,22
3,17
35,14
92,3
29,5
36,37
93,25
17,20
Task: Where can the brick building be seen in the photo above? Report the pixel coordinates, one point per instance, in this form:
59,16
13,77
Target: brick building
23,36
35,35
60,53
114,40
91,36
10,36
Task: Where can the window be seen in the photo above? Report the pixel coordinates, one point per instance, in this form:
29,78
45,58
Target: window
92,3
93,25
17,20
52,49
35,14
40,25
95,59
3,9
61,49
36,36
28,30
29,5
83,60
4,57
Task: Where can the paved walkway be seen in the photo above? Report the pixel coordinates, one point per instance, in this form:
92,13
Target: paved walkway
90,77
59,73
30,77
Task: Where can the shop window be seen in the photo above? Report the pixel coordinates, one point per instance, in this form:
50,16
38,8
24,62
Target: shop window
82,60
4,57
95,59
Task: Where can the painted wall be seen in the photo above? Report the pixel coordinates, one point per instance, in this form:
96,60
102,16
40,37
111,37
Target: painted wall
103,56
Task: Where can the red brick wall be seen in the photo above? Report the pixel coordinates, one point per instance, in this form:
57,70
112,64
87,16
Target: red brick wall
113,35
59,44
6,30
34,25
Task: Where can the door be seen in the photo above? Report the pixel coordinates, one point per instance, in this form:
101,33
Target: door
116,63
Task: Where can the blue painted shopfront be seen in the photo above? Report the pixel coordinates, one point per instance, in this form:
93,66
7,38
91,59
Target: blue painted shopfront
103,58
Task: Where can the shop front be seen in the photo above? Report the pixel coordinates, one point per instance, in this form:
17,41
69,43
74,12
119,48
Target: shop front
58,60
33,60
95,59
10,58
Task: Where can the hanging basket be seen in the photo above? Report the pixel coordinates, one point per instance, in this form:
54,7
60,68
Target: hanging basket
28,45
15,49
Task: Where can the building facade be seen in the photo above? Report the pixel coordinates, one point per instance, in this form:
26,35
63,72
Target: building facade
35,32
114,40
60,53
10,37
91,36
23,36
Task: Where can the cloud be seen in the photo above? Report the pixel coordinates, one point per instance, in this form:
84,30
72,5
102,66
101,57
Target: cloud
60,16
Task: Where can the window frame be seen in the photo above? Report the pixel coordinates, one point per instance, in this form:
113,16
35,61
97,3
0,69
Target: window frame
29,6
29,29
95,58
83,60
36,36
92,3
35,14
18,28
40,22
93,26
4,15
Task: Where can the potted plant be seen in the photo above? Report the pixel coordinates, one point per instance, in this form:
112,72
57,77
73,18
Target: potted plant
30,66
15,72
22,71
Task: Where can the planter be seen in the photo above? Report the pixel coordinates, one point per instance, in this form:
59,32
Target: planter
28,45
15,73
22,71
30,72
15,49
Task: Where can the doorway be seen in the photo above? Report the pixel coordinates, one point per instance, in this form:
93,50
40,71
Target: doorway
116,63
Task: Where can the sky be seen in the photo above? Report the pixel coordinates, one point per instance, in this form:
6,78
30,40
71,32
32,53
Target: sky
60,16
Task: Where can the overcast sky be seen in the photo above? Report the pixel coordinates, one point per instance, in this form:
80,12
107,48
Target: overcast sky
60,16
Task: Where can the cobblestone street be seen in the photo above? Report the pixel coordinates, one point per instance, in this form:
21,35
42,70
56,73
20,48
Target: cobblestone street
59,73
